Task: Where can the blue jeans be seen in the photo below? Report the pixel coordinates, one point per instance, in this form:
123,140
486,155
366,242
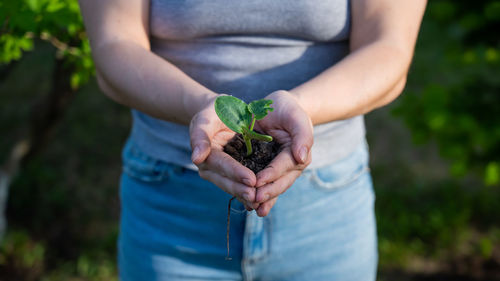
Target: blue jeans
173,226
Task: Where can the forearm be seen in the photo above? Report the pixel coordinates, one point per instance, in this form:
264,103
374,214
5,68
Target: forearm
134,76
368,78
382,40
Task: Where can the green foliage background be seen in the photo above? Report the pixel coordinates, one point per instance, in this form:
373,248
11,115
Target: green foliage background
454,87
434,214
56,21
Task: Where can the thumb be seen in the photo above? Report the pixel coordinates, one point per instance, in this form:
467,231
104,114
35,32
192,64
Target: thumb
200,135
302,138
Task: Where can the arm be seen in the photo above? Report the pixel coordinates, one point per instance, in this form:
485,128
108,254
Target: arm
382,41
128,72
383,37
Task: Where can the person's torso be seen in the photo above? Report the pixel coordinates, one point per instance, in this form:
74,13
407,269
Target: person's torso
250,48
247,49
309,20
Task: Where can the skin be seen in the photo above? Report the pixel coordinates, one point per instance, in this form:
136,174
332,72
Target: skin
383,36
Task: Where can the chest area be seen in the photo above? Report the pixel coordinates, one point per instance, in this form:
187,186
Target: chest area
314,20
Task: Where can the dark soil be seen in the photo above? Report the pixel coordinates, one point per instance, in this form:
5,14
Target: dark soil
263,152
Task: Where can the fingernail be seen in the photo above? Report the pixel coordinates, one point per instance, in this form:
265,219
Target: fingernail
266,197
303,154
247,182
195,154
246,197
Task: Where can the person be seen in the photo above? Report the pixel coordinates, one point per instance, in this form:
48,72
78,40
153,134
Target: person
309,214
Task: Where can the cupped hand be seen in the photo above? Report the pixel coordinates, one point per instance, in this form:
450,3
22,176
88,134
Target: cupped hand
290,126
208,136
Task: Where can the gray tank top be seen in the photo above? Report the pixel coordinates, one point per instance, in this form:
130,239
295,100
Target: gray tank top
248,49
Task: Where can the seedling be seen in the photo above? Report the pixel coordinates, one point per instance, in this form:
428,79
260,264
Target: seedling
240,117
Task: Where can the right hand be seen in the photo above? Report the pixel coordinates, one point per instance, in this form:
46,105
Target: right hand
292,128
208,137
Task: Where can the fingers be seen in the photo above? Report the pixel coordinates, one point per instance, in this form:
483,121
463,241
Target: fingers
296,122
264,208
229,175
276,188
283,163
223,164
243,193
267,195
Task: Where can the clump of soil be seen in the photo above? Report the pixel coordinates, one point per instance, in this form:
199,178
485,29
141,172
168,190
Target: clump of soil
263,152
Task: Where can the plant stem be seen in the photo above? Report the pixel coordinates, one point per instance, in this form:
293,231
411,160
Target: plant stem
248,143
253,123
228,258
249,134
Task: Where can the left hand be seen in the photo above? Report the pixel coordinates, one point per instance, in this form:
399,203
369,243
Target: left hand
290,126
208,136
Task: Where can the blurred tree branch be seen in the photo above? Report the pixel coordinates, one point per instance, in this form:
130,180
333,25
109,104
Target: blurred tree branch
59,45
45,115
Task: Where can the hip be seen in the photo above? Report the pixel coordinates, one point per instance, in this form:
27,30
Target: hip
171,215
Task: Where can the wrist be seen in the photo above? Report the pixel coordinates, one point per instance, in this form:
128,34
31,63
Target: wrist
304,102
203,101
300,100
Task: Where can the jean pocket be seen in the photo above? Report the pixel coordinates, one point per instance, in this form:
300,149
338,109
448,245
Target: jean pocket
140,166
342,173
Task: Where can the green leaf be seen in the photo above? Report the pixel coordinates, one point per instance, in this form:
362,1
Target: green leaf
233,112
33,5
12,47
259,108
492,174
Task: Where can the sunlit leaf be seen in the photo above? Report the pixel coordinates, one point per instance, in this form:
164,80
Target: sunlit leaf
492,174
259,108
233,112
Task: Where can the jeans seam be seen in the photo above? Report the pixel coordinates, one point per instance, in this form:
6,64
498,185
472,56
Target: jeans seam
336,185
238,211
